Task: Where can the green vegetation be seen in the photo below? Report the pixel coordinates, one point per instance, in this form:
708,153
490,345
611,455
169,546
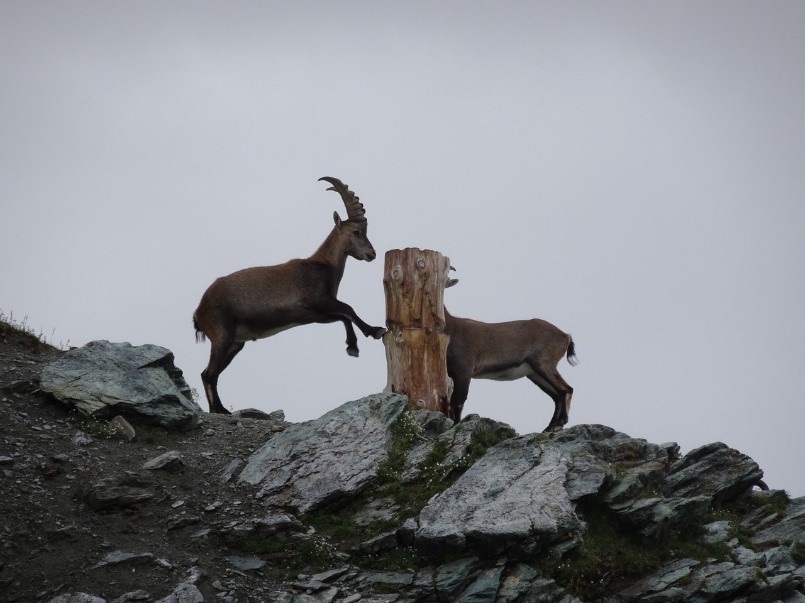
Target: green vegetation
404,433
288,555
405,499
613,554
97,428
738,508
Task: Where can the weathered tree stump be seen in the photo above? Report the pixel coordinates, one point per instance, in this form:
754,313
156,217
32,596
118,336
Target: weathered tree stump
416,345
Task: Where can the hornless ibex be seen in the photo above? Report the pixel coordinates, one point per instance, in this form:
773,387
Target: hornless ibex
259,302
506,351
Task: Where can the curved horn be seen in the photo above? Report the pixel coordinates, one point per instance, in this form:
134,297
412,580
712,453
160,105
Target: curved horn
353,204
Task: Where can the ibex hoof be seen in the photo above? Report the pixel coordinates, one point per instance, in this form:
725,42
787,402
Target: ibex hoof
553,428
353,352
379,332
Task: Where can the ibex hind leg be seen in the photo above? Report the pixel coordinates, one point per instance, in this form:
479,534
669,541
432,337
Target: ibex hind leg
560,392
220,358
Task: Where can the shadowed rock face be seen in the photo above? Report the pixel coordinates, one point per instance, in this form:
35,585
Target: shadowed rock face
105,379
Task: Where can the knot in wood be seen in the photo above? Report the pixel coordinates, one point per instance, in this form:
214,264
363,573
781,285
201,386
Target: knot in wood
397,272
421,263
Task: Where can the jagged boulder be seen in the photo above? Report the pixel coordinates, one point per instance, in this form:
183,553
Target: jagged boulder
514,495
317,463
714,470
141,383
523,494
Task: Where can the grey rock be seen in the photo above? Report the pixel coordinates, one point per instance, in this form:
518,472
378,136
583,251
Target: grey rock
729,582
183,593
105,379
382,542
330,575
118,492
132,596
317,463
717,531
517,581
484,589
187,591
274,522
124,428
789,530
124,558
245,563
714,470
433,423
169,461
407,531
82,439
326,596
6,460
662,579
77,598
379,509
450,577
231,469
513,496
395,579
658,517
543,590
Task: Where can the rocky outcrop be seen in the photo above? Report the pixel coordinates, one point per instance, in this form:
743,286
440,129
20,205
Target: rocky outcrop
322,462
371,502
515,496
104,379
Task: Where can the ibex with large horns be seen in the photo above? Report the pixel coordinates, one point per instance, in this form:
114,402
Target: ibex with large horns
259,302
506,351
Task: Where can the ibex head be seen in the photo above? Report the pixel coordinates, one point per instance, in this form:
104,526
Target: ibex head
354,227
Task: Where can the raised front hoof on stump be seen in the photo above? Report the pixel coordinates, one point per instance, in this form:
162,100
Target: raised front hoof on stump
353,352
378,332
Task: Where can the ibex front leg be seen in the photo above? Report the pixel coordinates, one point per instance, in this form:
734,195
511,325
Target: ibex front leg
338,310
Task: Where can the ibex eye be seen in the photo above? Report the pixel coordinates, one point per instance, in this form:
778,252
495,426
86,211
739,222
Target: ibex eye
356,232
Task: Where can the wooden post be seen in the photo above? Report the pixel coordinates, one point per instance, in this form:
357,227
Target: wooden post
416,344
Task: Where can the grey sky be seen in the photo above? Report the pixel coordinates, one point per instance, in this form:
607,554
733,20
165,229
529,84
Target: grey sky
630,171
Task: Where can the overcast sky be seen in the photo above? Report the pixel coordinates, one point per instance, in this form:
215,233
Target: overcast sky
630,171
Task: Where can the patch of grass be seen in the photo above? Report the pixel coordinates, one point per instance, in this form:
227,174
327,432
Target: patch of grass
613,555
435,476
288,556
97,428
742,534
775,503
339,525
482,441
404,433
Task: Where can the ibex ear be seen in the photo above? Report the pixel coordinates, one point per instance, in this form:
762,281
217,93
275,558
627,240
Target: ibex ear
337,219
